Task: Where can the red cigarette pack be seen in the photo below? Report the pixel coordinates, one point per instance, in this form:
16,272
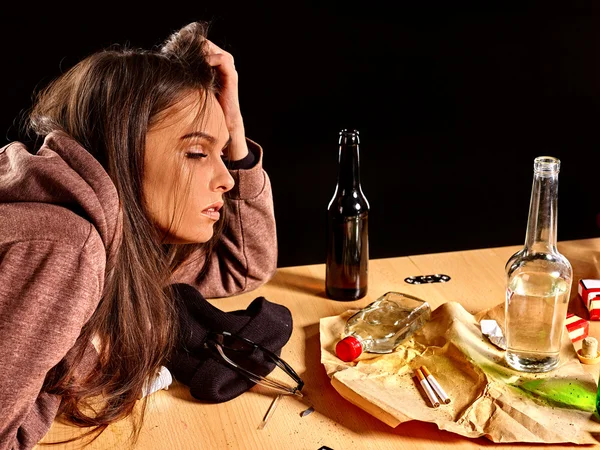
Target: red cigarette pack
589,291
577,327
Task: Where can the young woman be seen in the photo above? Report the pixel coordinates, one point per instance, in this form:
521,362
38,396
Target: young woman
138,175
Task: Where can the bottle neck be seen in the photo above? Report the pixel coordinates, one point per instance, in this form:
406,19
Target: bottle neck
348,167
541,226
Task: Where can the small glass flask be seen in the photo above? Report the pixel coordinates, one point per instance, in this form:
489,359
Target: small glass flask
538,281
382,325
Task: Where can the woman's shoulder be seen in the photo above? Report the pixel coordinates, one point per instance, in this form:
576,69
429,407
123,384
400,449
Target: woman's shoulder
29,222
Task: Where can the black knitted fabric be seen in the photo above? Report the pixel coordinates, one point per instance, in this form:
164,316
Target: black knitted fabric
208,377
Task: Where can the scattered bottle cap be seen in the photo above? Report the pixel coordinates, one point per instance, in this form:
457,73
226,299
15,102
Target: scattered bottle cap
307,411
422,279
348,349
588,353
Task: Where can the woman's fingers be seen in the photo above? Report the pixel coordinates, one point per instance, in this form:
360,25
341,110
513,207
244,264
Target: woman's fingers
224,63
228,97
213,48
219,57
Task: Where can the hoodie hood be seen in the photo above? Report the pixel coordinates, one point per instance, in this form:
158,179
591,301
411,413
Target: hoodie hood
63,173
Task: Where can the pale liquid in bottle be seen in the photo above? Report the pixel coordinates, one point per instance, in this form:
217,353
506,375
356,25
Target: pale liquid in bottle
536,310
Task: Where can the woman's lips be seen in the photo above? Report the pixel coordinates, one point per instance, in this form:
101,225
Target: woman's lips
212,212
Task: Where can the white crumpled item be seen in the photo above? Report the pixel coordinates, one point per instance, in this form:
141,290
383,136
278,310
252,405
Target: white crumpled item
493,332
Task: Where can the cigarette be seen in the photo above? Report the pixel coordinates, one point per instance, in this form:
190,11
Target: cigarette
436,386
430,394
270,412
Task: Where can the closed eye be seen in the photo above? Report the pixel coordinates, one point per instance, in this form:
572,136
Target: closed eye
194,155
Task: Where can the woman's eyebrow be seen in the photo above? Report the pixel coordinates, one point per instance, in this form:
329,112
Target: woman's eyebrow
198,134
208,137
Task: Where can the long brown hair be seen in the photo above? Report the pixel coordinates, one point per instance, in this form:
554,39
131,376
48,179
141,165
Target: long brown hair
107,103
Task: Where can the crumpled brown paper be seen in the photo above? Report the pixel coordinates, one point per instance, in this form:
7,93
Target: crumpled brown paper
488,397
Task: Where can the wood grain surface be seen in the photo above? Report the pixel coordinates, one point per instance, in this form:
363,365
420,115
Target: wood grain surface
175,420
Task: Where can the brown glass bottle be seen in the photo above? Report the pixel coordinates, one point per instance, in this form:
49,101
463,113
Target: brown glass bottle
347,264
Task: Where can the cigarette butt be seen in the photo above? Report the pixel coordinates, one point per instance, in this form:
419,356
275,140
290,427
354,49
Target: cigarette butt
435,385
270,412
430,394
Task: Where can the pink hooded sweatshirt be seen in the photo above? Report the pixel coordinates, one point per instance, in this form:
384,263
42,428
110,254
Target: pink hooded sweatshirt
59,225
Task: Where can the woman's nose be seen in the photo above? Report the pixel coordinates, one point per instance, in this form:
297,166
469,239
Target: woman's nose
222,181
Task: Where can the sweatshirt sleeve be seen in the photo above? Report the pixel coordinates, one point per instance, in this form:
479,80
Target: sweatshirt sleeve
246,255
48,290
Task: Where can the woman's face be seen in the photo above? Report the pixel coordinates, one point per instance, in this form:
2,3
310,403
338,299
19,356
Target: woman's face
185,177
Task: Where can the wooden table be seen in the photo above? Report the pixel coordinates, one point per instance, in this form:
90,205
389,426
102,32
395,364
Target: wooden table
175,420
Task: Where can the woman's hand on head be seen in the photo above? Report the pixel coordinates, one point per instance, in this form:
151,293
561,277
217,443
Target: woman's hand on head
229,99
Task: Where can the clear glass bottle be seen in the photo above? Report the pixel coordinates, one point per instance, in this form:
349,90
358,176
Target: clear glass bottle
347,263
382,325
538,281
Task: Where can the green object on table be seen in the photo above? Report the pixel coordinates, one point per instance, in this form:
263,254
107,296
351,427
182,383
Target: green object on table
564,393
598,399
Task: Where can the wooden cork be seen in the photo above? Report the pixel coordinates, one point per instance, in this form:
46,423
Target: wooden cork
589,347
588,353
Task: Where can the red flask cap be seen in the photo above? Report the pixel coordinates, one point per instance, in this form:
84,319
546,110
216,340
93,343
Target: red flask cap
348,349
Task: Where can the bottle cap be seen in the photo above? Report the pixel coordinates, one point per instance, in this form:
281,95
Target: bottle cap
348,349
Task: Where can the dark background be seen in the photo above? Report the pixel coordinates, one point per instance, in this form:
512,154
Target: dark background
453,103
